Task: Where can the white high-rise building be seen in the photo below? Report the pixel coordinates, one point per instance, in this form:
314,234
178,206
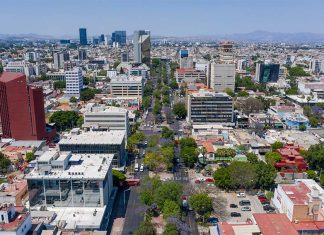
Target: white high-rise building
74,81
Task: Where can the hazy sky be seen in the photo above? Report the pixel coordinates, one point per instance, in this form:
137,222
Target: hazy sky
162,17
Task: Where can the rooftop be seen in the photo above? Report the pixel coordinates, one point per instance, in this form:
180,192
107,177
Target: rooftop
297,193
85,166
9,76
96,108
126,78
278,224
204,93
14,224
95,137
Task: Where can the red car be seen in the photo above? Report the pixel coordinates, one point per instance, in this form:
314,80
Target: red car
209,180
197,181
262,197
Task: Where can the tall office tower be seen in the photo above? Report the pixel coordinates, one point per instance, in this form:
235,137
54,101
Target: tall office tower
142,47
21,108
102,38
59,59
83,36
82,54
118,37
316,65
221,73
74,81
267,72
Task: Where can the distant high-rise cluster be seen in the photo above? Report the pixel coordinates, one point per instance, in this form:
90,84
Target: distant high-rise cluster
118,38
83,36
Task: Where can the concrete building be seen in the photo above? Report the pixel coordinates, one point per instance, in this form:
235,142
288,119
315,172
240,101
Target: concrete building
59,58
99,142
20,67
56,76
74,82
106,117
210,107
32,56
82,54
14,220
21,108
190,75
301,201
127,86
15,192
77,187
112,73
142,47
141,70
222,76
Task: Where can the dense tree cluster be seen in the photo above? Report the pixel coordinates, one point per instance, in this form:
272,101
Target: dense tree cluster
188,151
179,109
66,120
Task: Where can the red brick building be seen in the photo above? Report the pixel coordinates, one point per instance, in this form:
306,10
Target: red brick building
21,108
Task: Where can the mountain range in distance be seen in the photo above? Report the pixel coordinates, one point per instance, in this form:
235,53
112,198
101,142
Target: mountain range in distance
256,36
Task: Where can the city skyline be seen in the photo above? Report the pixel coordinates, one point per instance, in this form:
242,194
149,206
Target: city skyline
165,18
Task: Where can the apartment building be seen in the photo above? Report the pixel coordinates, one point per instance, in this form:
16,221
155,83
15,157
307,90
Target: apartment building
210,107
104,117
129,86
190,75
74,81
301,201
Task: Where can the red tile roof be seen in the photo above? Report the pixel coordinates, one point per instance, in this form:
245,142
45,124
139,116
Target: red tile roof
297,193
18,220
209,147
271,224
9,76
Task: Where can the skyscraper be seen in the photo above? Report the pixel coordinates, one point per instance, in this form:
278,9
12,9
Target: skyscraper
83,36
21,108
267,72
119,37
74,81
142,47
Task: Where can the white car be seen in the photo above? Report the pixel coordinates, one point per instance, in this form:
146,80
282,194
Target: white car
142,168
246,208
240,195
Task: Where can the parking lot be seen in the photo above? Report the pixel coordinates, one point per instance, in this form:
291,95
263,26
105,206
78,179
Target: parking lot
256,206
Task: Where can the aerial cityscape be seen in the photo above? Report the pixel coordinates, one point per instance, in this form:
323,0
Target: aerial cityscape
164,117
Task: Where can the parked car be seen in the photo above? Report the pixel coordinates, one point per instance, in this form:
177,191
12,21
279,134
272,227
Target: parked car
245,203
212,220
260,194
209,180
268,207
261,197
197,181
246,208
233,205
235,214
240,194
265,202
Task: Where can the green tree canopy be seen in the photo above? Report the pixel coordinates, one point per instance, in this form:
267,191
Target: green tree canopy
88,94
170,229
167,133
314,157
313,121
73,99
118,177
201,203
272,157
225,152
180,110
59,85
277,145
242,94
252,158
4,163
65,119
30,156
297,72
146,228
171,209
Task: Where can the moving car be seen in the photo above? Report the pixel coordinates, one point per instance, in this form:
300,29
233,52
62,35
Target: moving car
136,167
142,168
235,214
212,220
246,208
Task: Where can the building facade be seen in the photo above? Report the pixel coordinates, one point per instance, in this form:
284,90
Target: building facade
127,86
23,115
222,76
190,75
142,47
119,37
210,107
97,142
83,36
267,73
74,81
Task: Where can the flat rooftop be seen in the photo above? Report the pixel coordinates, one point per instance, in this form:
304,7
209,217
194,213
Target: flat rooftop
85,166
205,93
95,137
126,78
79,217
298,193
9,76
271,224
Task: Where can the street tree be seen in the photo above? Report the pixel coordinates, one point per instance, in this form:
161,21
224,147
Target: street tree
202,204
179,110
171,209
